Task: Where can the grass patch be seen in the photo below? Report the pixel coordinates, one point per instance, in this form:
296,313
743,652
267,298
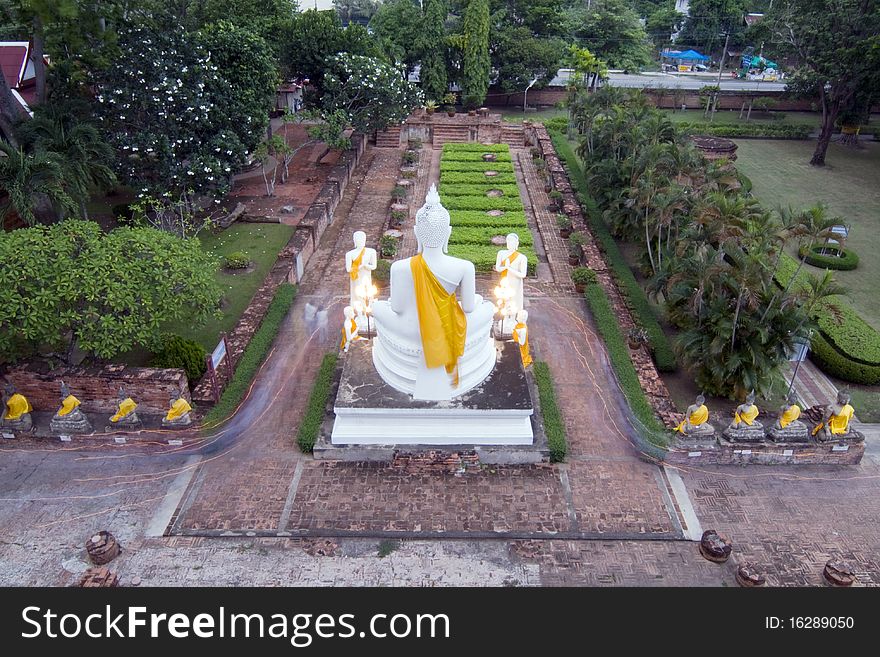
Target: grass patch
386,547
310,427
253,356
634,295
483,236
476,178
481,190
454,165
554,427
484,257
479,219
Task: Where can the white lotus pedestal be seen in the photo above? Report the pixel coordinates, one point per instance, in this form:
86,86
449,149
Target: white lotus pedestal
373,420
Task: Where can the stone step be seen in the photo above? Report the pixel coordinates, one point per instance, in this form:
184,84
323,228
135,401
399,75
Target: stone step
513,134
388,138
451,133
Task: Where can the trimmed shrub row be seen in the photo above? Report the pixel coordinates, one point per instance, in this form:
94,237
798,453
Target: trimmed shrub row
507,191
482,235
451,165
454,147
253,356
476,178
310,428
846,262
475,156
761,130
618,353
554,427
831,361
481,202
634,295
483,257
512,218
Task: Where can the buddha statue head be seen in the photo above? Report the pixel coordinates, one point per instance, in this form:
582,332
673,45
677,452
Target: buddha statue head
8,390
360,239
120,394
512,241
432,223
348,312
65,391
750,398
792,399
843,397
700,400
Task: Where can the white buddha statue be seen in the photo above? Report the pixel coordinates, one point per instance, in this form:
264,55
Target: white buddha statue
359,263
433,334
513,267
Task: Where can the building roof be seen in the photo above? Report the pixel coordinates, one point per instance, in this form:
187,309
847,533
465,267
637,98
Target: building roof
13,61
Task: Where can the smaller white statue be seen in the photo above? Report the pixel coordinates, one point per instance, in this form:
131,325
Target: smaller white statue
349,329
521,336
359,263
513,267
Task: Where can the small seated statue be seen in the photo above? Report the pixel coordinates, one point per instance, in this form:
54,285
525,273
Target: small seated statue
836,423
696,422
745,426
125,411
521,337
178,414
349,330
17,416
788,428
69,418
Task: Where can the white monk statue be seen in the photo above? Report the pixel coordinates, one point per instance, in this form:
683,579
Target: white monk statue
513,267
349,329
433,334
359,263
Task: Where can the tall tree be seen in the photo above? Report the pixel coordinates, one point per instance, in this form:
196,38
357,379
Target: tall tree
610,29
475,60
397,25
837,47
433,48
709,21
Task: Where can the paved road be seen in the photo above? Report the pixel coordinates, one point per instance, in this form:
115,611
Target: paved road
687,82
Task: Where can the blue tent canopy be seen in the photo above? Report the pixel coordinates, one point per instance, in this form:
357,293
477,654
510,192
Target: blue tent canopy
686,55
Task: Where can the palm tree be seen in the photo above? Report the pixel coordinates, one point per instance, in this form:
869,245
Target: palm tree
34,184
818,290
809,226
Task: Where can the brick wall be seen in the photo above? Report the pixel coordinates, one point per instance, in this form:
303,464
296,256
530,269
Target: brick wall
96,387
768,454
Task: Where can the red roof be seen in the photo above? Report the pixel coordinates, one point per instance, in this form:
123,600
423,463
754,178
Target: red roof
13,57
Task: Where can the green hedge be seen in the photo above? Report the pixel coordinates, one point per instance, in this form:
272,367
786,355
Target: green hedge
481,202
453,147
253,356
474,156
177,351
760,130
847,262
554,427
451,165
851,339
310,428
472,235
634,295
484,257
511,218
558,124
457,189
476,178
618,353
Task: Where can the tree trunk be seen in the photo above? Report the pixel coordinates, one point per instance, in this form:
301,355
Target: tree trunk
39,62
829,116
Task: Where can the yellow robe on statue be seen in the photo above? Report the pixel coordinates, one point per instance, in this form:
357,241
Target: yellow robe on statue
789,415
509,260
524,345
356,264
353,329
838,424
126,408
698,417
442,322
748,416
178,408
16,406
67,406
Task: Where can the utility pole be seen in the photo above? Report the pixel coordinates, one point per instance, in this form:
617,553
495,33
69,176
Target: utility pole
720,70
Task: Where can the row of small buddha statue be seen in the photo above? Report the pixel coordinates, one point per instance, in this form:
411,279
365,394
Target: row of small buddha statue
834,423
69,417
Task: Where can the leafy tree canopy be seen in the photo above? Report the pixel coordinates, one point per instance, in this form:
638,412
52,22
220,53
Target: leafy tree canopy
397,25
611,30
518,58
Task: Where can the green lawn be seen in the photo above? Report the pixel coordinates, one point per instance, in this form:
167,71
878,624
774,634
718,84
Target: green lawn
516,115
849,185
732,116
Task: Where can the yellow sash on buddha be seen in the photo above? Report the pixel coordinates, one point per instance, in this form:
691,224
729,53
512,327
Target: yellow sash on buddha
67,406
524,345
748,417
509,260
178,408
356,265
442,323
126,408
697,418
353,328
16,406
840,422
789,415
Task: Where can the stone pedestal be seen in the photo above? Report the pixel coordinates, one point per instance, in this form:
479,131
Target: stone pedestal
796,432
130,422
178,423
73,422
745,433
24,424
369,411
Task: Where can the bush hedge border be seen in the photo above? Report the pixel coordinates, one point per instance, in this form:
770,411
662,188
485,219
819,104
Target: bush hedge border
848,262
634,295
253,357
554,427
310,427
